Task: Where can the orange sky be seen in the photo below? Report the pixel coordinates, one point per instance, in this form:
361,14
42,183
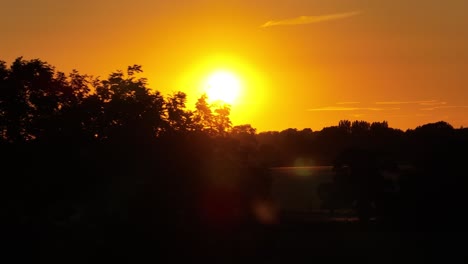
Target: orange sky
302,63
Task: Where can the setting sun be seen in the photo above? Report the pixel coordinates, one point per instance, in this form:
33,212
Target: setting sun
223,86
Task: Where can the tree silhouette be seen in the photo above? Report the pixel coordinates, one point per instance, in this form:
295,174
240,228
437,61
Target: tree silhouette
128,106
222,123
178,117
203,115
213,119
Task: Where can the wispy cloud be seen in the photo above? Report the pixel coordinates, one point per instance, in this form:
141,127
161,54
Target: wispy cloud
444,107
309,19
347,103
421,102
429,105
356,115
422,105
339,108
433,103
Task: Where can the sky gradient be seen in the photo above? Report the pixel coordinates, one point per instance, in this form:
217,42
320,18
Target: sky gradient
303,64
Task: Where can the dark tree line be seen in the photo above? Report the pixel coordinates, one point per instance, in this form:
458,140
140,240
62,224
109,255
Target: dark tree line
41,104
414,147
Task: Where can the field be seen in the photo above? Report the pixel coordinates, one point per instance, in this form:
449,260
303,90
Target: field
294,189
308,233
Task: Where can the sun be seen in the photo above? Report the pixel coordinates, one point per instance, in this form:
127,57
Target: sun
223,86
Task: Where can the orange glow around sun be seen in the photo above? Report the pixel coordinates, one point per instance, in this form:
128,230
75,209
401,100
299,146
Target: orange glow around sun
227,79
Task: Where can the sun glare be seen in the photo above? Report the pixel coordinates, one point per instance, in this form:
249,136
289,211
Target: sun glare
227,79
223,86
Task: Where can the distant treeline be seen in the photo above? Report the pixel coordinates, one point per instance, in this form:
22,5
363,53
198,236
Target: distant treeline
432,144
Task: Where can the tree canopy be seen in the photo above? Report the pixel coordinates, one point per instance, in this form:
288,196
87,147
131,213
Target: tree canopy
38,103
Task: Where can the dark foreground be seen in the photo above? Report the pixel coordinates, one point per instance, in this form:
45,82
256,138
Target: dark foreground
293,240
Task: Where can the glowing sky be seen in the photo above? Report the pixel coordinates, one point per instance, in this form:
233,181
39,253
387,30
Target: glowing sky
305,63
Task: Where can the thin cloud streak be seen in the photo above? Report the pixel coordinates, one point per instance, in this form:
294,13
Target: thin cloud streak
419,102
433,103
444,107
309,19
345,103
338,108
